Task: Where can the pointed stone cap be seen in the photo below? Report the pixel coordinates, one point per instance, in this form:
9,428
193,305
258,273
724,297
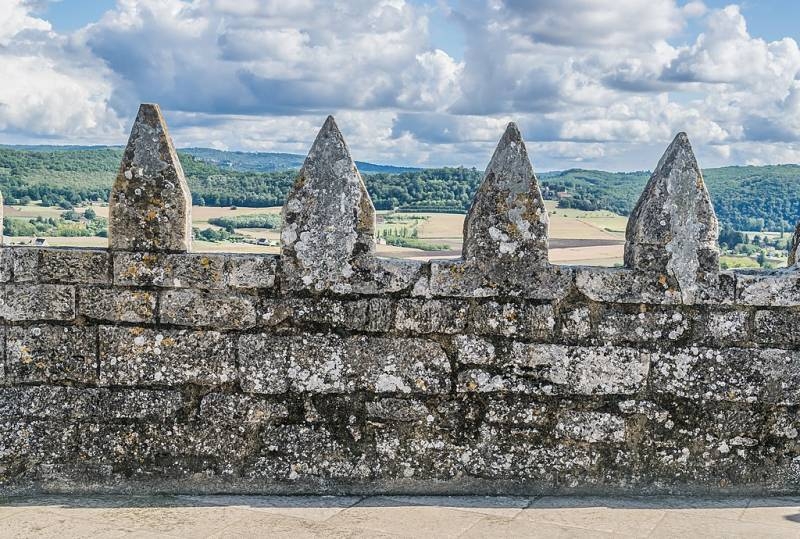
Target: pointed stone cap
673,228
507,222
328,218
793,247
150,205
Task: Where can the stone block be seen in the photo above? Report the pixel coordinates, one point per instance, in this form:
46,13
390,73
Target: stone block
431,316
241,409
769,289
327,363
73,266
522,320
471,350
781,328
141,356
117,304
457,278
170,270
45,353
733,375
251,271
394,409
642,327
374,314
724,328
591,427
37,302
95,404
214,309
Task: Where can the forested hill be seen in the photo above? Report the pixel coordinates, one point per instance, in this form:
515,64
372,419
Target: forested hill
747,198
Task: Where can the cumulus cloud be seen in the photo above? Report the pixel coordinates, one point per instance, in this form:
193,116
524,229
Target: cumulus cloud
591,82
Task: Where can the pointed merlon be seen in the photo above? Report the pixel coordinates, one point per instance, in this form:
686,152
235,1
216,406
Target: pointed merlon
673,228
507,222
150,205
793,247
328,218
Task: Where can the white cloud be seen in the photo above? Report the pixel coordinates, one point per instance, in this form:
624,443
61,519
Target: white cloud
591,82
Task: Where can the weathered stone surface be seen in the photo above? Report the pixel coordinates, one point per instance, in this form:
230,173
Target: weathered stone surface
374,314
49,402
251,271
37,302
644,326
591,427
724,328
623,285
584,370
474,350
197,308
393,409
547,369
150,207
241,409
458,278
332,364
513,319
673,228
328,218
140,356
505,230
204,271
431,316
576,324
768,289
117,304
777,327
793,246
733,374
63,266
46,353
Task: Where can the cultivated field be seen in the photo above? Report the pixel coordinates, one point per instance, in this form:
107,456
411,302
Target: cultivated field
576,237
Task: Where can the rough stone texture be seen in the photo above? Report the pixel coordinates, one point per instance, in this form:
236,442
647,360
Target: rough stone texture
673,228
505,230
140,356
150,208
329,370
328,218
117,304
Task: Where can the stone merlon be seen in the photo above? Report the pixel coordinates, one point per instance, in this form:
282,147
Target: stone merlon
673,228
328,218
150,208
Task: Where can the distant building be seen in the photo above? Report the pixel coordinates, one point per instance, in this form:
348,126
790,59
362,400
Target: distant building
39,242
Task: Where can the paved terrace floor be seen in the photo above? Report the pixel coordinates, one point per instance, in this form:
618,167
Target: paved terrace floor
395,516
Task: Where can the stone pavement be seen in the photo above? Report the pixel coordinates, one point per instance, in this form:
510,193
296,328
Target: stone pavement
397,516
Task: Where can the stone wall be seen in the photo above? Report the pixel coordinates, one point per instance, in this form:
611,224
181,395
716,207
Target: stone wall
148,368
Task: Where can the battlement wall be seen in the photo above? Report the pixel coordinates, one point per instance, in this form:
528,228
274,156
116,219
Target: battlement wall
148,368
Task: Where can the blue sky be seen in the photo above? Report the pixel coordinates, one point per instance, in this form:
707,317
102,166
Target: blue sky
592,83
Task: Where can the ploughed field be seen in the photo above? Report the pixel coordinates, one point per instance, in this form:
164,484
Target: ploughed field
576,236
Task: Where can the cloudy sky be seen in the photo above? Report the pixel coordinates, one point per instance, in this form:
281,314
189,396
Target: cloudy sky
592,83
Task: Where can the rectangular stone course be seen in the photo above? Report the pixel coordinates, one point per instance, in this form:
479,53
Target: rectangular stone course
45,353
780,328
522,320
131,356
78,266
241,409
645,326
766,375
431,316
117,304
215,309
194,270
37,302
768,289
52,402
374,314
331,364
591,427
552,369
723,328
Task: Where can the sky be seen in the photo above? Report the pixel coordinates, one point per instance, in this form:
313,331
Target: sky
592,83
